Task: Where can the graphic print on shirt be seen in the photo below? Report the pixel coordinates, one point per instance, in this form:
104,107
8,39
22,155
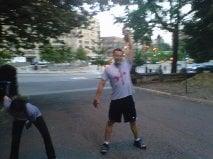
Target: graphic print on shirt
120,77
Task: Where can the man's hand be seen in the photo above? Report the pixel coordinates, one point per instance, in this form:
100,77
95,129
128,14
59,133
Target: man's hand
27,124
99,91
96,103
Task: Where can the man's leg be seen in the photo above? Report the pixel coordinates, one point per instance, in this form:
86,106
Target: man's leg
41,126
17,129
107,137
108,131
134,129
138,141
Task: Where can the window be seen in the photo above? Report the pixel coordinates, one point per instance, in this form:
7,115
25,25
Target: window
86,42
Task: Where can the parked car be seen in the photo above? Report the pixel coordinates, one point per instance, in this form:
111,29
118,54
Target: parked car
191,68
198,68
207,67
40,63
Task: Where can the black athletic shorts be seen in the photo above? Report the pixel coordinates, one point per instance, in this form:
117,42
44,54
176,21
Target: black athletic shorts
124,106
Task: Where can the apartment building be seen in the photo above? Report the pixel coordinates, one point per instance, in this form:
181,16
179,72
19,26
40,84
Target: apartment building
87,38
110,43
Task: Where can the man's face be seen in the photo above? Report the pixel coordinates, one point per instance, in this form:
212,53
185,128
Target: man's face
118,57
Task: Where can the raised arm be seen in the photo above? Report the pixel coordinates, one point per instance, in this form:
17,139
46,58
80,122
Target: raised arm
128,47
99,92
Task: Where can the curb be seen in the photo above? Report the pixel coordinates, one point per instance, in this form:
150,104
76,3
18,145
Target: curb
177,96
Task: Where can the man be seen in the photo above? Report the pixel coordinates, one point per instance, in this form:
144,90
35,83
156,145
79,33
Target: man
122,103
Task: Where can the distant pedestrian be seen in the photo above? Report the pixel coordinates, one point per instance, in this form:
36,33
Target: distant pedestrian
122,103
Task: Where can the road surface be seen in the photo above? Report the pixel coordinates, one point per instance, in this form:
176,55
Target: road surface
172,127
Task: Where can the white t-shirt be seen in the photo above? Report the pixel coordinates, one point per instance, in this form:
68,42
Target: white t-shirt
119,78
32,111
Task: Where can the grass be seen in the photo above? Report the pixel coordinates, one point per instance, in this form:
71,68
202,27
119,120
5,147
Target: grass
199,86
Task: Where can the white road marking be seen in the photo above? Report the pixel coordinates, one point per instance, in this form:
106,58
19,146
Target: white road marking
63,91
78,78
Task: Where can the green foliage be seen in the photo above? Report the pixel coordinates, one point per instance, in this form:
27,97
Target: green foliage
199,32
24,23
155,13
5,56
156,56
161,45
57,55
164,47
138,60
101,58
81,54
100,61
181,55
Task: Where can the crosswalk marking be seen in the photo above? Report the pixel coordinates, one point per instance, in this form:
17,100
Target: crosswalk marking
78,78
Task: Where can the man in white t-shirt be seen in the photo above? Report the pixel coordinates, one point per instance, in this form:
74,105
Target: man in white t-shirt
25,114
122,103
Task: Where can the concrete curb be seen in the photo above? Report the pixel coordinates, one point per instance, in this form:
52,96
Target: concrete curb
177,96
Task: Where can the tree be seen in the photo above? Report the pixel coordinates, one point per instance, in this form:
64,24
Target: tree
138,60
26,23
4,56
199,32
161,45
81,54
56,54
101,58
166,15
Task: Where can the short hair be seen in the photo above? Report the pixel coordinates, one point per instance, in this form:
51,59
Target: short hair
117,49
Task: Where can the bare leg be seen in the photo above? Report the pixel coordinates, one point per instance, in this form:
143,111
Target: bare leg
108,131
134,129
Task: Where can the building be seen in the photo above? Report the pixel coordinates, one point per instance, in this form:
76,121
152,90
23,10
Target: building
86,38
110,43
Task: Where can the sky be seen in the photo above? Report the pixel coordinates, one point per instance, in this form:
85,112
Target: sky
108,28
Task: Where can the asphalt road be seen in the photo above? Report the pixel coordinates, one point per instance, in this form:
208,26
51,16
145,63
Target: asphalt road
40,84
172,127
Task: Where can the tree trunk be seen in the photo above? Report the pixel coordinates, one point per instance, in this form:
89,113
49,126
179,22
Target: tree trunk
1,29
175,41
